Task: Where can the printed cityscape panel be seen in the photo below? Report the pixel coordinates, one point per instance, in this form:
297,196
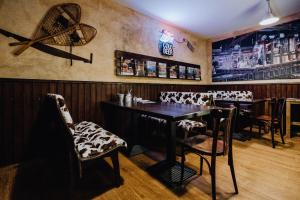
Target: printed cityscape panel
270,53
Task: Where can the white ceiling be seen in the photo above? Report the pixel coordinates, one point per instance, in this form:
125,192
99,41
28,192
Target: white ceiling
211,18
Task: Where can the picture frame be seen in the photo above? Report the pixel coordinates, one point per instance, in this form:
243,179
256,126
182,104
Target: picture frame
182,72
197,74
173,71
127,67
151,68
190,73
140,68
162,70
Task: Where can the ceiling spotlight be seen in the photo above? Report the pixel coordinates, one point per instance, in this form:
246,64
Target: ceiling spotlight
269,18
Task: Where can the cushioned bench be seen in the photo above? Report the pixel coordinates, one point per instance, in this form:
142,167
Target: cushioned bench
196,98
232,95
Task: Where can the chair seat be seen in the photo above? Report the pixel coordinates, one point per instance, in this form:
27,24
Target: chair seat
264,118
185,125
92,141
191,125
203,144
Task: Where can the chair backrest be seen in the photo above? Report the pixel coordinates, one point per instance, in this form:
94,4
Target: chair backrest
64,114
274,109
224,119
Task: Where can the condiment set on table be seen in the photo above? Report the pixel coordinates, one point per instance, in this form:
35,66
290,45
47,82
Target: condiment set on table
128,98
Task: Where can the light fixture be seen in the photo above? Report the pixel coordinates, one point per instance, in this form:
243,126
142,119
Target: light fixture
269,18
166,36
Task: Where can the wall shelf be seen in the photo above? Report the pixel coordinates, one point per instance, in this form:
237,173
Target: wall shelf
138,65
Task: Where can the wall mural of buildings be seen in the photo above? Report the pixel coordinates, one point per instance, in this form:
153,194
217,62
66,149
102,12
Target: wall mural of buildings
270,53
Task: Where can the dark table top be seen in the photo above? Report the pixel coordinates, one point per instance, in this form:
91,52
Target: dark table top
168,111
246,102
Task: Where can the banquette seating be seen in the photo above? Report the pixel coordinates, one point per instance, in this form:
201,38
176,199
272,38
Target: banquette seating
86,140
202,98
232,95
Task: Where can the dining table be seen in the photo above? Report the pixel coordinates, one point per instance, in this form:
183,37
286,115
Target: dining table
171,112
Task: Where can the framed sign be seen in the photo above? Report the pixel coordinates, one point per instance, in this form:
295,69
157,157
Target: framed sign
166,48
166,43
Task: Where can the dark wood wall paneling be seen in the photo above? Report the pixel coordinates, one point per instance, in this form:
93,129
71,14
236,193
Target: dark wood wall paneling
21,100
261,91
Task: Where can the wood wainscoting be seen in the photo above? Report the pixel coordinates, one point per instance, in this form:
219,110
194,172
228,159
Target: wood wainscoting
21,100
261,91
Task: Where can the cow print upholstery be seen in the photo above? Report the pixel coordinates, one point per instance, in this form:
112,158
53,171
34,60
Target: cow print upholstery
185,125
191,125
195,98
232,95
90,140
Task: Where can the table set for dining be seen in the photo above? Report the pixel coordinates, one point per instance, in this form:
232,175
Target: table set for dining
171,112
173,108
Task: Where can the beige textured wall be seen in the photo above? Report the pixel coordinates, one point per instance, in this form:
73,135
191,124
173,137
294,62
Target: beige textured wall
118,28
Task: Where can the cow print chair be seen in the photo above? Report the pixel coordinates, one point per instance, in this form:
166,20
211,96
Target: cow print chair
87,140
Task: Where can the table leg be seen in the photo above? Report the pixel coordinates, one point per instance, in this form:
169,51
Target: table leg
171,143
169,171
133,135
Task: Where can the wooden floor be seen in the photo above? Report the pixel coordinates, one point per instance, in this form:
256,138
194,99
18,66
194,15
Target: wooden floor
262,173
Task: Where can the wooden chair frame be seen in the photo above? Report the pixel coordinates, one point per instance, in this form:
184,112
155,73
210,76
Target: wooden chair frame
217,114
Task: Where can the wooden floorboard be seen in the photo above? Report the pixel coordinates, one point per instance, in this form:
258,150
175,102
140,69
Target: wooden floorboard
262,173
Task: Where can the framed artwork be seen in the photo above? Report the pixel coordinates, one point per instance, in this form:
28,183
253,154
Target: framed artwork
139,68
173,72
162,70
127,66
190,73
151,68
268,54
197,74
182,72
